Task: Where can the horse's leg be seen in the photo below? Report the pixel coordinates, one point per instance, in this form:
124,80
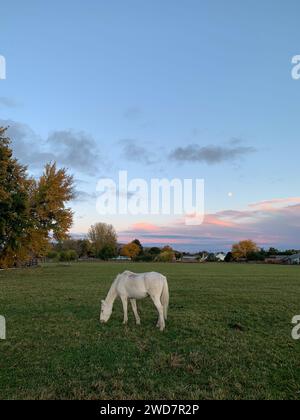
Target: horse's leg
160,309
125,309
134,308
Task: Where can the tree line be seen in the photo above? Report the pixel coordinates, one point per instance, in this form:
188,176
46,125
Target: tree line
249,251
102,243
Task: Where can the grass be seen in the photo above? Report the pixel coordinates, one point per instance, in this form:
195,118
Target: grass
228,334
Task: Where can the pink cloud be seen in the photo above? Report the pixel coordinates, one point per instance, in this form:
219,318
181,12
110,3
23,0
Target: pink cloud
267,226
213,219
274,204
144,226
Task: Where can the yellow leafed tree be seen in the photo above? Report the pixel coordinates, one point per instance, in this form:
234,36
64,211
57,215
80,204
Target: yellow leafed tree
131,250
31,212
243,249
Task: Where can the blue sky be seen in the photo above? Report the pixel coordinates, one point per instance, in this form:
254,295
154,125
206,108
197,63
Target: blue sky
102,86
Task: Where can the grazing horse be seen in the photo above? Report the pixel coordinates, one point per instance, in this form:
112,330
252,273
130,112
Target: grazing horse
134,286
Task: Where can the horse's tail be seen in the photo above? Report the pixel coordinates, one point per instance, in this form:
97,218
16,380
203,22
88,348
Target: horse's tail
165,297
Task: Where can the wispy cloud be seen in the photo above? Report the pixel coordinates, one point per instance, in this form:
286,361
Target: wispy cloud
134,151
8,102
83,196
275,204
210,154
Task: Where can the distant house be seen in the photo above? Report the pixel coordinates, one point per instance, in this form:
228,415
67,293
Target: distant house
292,259
220,256
121,258
194,258
275,259
283,259
190,258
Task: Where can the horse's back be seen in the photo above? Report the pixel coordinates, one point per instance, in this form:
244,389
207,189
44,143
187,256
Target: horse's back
154,281
151,276
139,285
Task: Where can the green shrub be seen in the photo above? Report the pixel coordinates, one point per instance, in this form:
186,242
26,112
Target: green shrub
52,255
67,256
107,252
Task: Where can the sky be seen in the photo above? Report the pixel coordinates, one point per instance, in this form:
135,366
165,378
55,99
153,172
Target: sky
173,89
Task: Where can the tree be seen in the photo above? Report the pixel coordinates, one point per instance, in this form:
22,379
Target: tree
131,250
257,256
52,255
107,252
154,250
167,248
67,244
138,243
178,255
50,218
229,257
84,248
102,234
243,249
31,212
50,193
166,256
73,255
68,256
273,251
14,204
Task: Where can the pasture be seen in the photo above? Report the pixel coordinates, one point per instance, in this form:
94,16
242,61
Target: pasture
228,335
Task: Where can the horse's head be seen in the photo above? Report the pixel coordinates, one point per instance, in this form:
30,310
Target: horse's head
106,310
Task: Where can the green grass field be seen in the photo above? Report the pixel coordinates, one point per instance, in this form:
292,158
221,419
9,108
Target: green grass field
228,335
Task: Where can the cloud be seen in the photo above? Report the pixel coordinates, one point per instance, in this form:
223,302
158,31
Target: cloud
8,102
75,150
134,152
234,141
276,203
27,145
278,227
83,196
145,227
210,154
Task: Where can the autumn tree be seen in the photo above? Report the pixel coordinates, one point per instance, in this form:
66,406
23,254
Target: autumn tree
101,235
31,212
131,250
14,204
138,243
48,197
167,248
166,255
243,249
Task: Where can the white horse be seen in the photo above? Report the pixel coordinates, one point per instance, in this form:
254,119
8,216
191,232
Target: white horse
133,286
